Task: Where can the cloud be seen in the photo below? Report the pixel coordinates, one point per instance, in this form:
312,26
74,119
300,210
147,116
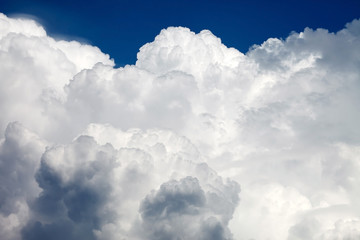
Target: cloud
20,153
145,151
85,189
35,68
179,210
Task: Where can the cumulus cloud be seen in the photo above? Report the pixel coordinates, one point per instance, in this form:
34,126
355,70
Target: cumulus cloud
20,153
34,70
97,191
179,210
147,151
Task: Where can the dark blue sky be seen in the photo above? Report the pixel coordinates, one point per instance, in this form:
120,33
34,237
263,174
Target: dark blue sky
121,27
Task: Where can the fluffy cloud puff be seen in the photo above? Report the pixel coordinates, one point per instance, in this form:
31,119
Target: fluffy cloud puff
20,153
93,191
281,120
34,70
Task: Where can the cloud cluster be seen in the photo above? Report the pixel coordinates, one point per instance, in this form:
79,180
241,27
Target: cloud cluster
145,151
93,191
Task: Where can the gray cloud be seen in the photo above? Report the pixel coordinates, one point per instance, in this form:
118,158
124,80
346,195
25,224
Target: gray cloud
180,210
82,189
20,153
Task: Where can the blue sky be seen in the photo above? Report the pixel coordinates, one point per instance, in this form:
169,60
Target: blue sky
121,27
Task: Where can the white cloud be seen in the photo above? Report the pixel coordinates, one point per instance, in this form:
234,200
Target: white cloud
122,143
34,70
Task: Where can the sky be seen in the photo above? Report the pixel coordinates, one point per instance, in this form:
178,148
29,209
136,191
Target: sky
131,24
181,120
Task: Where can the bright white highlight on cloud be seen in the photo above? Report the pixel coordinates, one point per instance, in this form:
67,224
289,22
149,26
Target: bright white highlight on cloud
194,141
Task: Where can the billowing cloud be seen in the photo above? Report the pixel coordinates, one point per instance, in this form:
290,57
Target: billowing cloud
147,151
34,70
180,208
20,153
88,190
